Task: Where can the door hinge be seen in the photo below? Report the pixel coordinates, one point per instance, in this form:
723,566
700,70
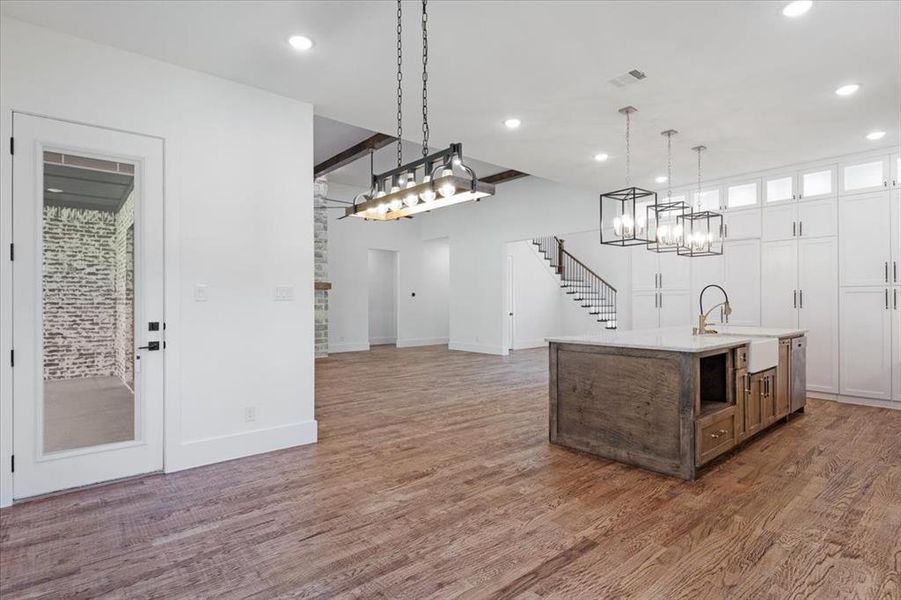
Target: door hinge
12,463
12,145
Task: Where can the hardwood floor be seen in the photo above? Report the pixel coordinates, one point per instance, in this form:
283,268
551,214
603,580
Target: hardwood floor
433,478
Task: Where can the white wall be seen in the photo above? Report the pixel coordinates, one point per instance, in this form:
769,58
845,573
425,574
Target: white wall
422,268
238,203
537,297
382,279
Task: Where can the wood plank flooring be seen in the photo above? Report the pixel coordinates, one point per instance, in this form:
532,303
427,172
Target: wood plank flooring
433,478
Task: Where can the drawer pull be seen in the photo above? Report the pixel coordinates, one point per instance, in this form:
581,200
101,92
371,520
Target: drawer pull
719,433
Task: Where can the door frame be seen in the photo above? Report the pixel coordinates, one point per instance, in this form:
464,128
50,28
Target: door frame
169,295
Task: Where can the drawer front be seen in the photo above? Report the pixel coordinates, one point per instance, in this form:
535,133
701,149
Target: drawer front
715,436
741,357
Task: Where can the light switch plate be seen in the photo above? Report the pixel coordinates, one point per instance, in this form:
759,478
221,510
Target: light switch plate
284,293
200,293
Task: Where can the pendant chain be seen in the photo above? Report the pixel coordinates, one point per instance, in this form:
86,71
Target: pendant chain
698,195
628,149
400,91
669,166
425,80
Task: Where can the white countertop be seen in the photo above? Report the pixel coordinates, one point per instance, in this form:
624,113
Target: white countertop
678,339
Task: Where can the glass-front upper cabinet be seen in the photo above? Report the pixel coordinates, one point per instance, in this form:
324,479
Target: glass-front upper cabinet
710,199
817,182
865,175
741,195
896,170
780,188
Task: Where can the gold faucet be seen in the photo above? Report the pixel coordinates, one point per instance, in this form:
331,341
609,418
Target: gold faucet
702,328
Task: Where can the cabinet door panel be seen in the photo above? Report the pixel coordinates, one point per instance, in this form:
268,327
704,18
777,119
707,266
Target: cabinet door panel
864,239
818,183
675,272
779,222
753,421
865,175
779,284
742,274
780,188
818,218
675,308
644,310
865,337
644,269
783,379
818,312
742,224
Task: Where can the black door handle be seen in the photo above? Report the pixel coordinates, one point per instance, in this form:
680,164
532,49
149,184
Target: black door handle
151,346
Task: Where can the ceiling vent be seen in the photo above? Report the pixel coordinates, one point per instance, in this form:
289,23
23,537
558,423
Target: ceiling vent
633,76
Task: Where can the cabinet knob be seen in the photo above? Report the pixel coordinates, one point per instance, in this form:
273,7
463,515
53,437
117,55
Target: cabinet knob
719,433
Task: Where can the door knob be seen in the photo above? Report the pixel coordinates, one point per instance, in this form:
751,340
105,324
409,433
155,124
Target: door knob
151,346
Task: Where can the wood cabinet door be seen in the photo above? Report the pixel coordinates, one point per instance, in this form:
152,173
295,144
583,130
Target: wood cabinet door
779,282
866,342
818,310
864,239
767,398
742,390
783,379
753,421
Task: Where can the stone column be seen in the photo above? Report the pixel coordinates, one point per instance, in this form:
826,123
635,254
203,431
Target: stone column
320,266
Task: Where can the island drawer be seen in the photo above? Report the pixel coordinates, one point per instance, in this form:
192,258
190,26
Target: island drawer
715,435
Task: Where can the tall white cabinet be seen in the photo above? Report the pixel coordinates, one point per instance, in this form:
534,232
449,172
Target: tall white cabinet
661,292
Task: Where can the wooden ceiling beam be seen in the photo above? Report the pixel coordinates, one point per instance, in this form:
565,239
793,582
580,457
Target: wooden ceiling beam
504,176
345,157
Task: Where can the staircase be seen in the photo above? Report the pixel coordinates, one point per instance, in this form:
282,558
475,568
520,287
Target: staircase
579,282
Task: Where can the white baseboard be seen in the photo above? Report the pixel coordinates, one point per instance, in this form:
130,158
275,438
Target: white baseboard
413,342
526,344
478,348
855,400
239,445
348,347
382,341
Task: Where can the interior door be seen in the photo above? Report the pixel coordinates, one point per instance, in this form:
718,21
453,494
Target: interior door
864,239
87,292
509,294
865,336
818,310
779,284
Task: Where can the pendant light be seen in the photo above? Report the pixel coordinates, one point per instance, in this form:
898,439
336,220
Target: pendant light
665,228
702,229
623,221
432,181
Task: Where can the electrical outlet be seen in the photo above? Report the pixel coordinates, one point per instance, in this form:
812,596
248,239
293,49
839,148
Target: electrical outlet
200,294
250,414
284,293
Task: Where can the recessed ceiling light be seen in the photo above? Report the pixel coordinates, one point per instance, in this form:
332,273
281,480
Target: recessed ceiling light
661,179
847,90
512,123
300,42
54,190
875,135
797,8
601,157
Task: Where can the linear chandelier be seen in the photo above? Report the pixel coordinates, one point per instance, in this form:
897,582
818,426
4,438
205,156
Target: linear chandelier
432,181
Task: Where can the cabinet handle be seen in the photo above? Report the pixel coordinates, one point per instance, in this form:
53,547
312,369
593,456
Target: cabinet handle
661,300
719,433
800,228
886,271
661,281
794,298
800,298
748,384
895,271
886,298
794,228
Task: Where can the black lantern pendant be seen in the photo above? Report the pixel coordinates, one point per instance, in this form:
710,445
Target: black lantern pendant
665,219
623,212
702,229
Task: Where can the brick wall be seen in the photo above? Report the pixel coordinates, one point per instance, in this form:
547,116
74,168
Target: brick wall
88,284
320,264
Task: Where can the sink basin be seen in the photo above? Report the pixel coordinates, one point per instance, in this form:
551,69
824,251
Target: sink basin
763,354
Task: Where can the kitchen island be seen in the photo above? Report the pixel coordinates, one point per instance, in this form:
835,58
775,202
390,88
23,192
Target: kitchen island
668,400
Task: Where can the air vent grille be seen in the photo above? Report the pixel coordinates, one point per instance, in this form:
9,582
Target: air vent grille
633,76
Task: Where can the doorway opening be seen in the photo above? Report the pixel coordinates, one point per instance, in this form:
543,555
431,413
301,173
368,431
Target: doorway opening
87,280
382,277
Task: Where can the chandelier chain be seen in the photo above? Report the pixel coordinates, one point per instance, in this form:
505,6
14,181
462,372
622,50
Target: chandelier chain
698,194
400,90
669,165
425,79
628,148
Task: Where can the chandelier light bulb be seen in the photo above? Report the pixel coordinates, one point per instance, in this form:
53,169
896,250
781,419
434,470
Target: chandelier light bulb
395,204
447,190
411,200
428,195
382,208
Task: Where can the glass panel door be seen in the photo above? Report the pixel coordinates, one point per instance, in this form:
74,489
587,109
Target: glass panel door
780,188
818,183
88,302
870,175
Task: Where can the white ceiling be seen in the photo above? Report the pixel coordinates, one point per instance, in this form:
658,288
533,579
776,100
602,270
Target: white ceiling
755,87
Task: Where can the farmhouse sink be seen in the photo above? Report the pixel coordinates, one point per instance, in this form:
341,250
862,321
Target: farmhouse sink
763,354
